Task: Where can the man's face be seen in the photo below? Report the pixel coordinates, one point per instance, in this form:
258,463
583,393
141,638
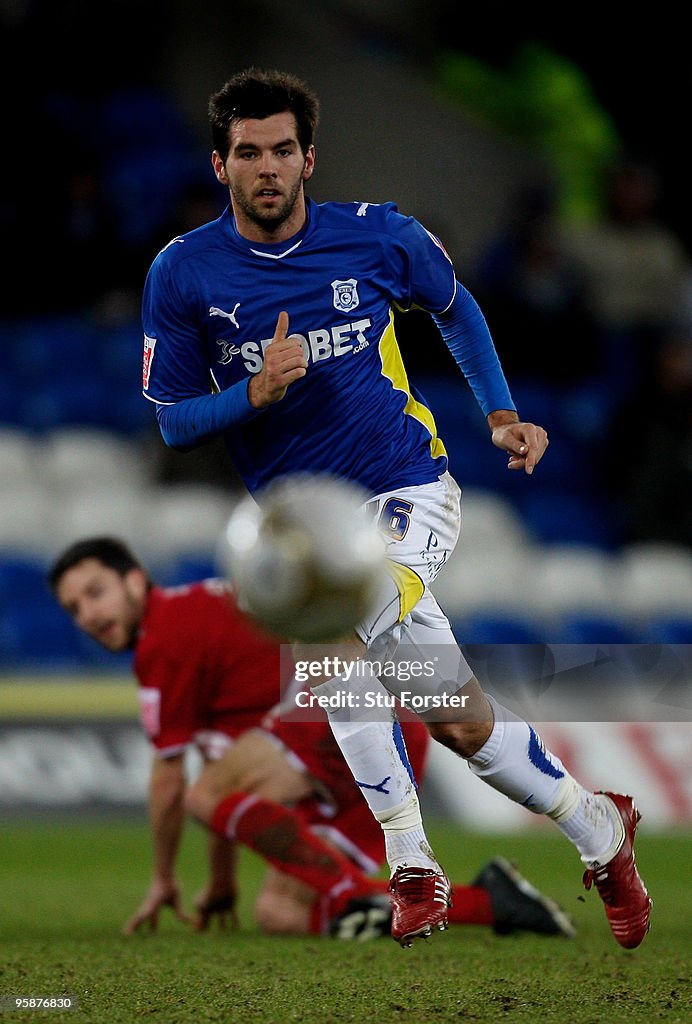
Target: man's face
264,171
104,604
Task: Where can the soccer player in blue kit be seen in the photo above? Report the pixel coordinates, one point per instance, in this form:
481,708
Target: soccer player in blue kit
273,326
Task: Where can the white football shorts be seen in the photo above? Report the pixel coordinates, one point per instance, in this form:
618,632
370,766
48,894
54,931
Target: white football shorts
421,526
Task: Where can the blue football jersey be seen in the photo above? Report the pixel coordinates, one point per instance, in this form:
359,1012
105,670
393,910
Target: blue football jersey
211,302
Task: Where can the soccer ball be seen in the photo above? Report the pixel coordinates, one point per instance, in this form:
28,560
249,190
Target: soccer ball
306,559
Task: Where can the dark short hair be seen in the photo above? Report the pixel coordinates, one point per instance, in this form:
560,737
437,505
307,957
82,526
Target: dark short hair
110,551
258,94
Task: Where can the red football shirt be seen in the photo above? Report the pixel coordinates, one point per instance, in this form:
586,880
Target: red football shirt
205,671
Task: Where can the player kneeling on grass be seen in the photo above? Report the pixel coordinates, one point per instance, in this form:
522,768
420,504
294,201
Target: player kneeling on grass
209,678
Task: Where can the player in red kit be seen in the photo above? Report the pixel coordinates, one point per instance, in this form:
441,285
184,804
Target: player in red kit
208,677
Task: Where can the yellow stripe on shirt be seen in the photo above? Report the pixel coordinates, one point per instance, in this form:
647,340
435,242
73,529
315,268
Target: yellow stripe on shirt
393,368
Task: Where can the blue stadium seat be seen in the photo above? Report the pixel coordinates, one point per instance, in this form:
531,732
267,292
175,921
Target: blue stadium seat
568,466
39,347
555,517
584,411
486,628
145,186
22,580
74,398
38,635
537,402
128,412
92,656
9,399
132,118
189,568
596,628
668,630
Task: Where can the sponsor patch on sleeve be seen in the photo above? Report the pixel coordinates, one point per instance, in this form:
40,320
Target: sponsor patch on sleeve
149,346
150,710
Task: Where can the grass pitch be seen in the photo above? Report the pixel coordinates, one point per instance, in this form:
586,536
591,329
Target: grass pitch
66,888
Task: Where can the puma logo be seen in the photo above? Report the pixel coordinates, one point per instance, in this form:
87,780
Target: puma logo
378,787
215,311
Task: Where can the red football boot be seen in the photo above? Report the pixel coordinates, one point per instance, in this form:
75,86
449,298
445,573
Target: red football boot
420,901
627,903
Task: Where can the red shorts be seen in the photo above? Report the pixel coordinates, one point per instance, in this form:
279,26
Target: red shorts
345,819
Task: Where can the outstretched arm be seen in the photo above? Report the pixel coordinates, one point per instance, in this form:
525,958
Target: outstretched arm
218,898
166,815
466,334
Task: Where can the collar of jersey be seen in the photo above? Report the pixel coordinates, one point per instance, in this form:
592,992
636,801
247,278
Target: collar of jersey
275,250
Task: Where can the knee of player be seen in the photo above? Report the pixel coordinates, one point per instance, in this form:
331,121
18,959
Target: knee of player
280,916
463,738
199,801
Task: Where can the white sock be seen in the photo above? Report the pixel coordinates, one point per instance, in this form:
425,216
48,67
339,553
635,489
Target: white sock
406,844
593,828
376,754
514,761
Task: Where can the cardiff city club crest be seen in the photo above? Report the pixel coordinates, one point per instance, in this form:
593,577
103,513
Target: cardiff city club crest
345,295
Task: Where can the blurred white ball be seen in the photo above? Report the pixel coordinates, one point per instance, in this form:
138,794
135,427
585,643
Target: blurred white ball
306,560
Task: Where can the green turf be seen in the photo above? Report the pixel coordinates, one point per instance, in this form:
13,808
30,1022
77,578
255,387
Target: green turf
66,888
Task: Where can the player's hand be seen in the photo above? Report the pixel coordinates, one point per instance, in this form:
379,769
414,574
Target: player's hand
219,905
525,442
284,363
160,895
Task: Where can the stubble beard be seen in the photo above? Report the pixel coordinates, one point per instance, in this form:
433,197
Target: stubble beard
270,220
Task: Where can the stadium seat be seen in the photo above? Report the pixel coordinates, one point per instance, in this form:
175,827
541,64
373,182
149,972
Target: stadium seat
137,117
119,360
65,398
187,518
145,185
38,634
91,657
584,410
90,458
188,568
480,628
25,520
19,452
568,468
475,580
655,579
556,517
582,628
49,346
576,578
116,509
22,579
539,402
130,414
667,629
9,400
490,521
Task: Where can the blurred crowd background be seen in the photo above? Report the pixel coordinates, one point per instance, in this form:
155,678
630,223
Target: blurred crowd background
550,163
